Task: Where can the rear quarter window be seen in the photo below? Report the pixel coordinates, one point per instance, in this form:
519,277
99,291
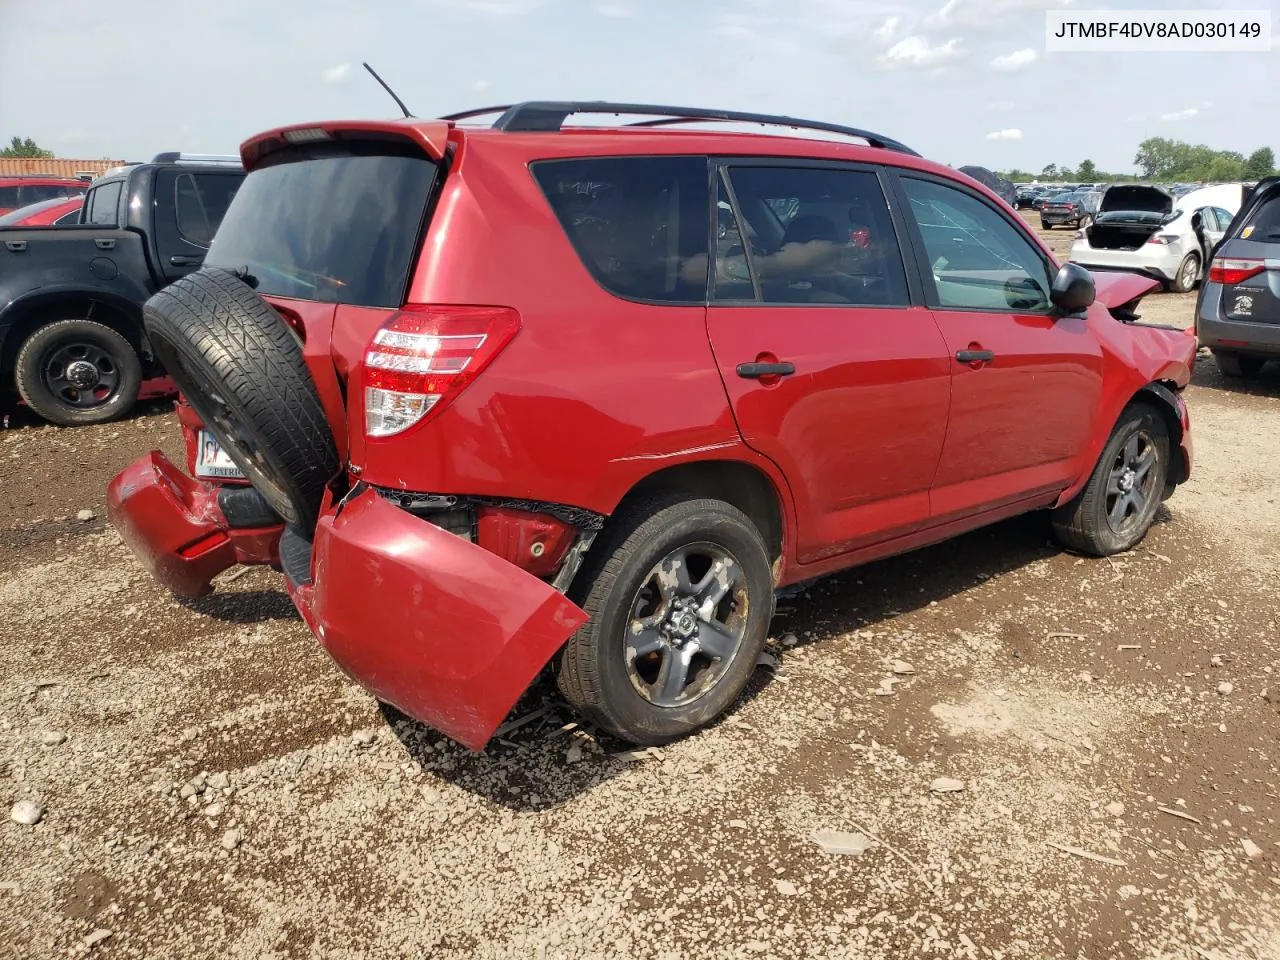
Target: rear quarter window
640,225
1264,225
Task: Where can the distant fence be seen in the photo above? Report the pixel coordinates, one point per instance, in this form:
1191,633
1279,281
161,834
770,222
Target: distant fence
56,167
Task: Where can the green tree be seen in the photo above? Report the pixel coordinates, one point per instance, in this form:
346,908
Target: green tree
1159,158
25,148
1050,172
1223,167
1261,163
1087,171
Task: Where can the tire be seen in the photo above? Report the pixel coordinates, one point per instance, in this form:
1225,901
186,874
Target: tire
1087,523
241,369
598,672
1237,365
1045,225
1085,222
1188,273
77,372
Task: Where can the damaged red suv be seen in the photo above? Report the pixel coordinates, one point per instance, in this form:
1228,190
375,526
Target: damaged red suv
532,394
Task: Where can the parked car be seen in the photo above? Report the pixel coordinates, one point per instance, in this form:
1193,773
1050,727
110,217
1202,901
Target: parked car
1075,209
1145,229
71,336
56,212
23,190
514,402
1238,309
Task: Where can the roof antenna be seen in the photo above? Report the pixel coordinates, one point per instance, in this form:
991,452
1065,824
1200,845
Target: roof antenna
399,102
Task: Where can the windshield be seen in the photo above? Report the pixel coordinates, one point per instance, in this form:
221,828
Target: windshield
326,222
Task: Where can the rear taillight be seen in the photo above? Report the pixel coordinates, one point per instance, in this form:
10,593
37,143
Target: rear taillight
424,356
1229,270
1163,239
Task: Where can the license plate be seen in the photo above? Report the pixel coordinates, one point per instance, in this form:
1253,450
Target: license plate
212,460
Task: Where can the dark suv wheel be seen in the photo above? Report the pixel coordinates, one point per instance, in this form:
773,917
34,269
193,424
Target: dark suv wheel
77,372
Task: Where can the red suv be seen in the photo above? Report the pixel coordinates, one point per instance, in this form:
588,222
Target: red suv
532,394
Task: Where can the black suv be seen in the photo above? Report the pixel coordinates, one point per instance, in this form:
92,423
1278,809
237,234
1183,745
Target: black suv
72,343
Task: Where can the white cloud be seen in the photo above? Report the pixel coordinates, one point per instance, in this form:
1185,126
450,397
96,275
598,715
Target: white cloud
480,86
614,10
1010,134
1001,106
912,52
1186,114
489,8
336,74
886,31
988,15
944,16
1018,60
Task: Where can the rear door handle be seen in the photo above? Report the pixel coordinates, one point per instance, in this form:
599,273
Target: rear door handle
754,371
105,244
15,246
181,261
975,356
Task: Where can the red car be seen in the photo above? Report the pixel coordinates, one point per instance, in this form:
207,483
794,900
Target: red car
21,191
55,212
531,394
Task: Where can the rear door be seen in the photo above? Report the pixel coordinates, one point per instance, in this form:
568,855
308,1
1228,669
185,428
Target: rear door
1026,382
189,206
831,370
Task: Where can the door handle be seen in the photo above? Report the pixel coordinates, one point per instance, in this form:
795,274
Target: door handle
975,356
754,371
105,244
181,261
15,246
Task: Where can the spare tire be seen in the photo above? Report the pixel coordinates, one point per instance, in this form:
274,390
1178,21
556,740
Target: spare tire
241,369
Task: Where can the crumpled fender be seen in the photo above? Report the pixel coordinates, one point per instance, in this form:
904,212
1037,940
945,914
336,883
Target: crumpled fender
1116,288
434,625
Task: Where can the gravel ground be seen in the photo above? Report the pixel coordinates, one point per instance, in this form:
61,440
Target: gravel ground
1037,755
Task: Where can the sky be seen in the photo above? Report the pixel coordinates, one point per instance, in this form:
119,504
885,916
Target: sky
960,81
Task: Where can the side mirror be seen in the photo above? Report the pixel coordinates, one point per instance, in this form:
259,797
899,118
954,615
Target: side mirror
1073,289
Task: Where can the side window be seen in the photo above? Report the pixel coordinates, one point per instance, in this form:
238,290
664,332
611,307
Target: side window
1264,224
66,218
639,224
812,235
102,204
1224,217
201,201
1209,218
34,193
977,259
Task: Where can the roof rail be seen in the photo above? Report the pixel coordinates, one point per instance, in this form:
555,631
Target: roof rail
549,115
174,156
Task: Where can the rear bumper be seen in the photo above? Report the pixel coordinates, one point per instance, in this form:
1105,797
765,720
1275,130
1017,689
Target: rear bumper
175,526
1215,330
1150,263
439,628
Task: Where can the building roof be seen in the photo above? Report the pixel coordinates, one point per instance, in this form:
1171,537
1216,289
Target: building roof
57,167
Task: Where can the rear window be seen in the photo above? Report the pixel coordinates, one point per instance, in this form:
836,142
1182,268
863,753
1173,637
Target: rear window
1264,225
328,222
641,225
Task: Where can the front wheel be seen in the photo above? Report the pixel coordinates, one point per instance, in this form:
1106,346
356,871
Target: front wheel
77,372
680,597
1117,506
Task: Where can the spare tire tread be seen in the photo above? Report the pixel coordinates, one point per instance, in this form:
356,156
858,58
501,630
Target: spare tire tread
214,318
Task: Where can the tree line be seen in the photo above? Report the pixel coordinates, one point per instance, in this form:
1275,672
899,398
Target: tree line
1165,160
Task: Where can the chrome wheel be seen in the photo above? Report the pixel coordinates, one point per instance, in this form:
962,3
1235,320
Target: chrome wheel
686,624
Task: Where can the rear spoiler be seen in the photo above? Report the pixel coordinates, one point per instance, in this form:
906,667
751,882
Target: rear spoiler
432,136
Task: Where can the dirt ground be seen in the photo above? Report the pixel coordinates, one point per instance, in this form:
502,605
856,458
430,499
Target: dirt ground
213,786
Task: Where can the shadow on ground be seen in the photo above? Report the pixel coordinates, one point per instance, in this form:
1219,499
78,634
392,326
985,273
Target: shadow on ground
535,766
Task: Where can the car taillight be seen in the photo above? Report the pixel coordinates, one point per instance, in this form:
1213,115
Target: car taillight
425,355
1230,270
1163,239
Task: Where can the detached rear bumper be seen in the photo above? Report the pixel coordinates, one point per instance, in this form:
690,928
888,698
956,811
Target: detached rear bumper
177,528
432,624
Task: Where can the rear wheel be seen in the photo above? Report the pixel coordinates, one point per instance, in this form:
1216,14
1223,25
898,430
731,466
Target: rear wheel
1188,272
77,372
241,369
680,596
1232,364
1117,506
1045,224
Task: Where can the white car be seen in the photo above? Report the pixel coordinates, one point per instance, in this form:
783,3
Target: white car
1146,229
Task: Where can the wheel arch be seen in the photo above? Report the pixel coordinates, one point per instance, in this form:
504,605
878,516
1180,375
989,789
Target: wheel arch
27,316
736,482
